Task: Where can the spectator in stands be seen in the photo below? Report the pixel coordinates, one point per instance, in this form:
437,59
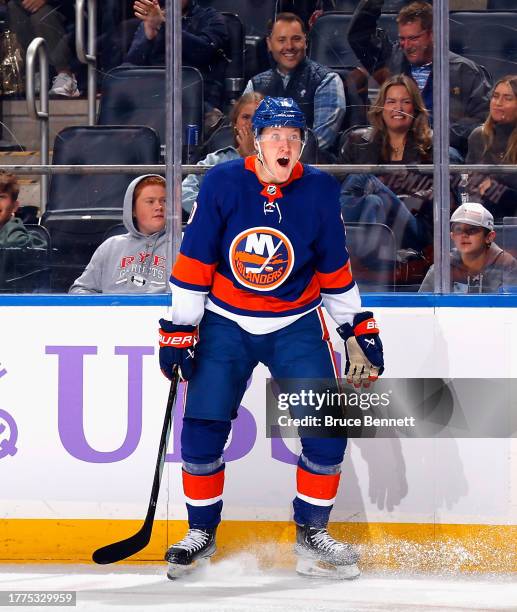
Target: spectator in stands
318,91
12,230
112,39
32,18
135,262
495,142
204,44
413,55
478,265
399,134
243,145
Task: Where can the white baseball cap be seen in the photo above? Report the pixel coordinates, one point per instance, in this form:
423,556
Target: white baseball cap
473,213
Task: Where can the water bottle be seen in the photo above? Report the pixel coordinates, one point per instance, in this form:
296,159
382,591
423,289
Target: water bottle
462,185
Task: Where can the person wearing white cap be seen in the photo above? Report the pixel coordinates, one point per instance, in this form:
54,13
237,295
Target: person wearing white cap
478,265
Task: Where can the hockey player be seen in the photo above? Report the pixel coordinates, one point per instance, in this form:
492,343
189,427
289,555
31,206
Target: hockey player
264,246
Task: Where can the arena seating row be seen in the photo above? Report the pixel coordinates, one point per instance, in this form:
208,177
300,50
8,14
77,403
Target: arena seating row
490,42
27,269
124,103
66,240
487,39
131,130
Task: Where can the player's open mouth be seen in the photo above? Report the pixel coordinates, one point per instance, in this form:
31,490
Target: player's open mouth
283,161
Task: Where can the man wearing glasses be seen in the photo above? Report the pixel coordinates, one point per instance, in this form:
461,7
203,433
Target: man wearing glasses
412,54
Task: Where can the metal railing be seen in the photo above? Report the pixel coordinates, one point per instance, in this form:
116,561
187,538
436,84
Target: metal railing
38,50
335,169
86,53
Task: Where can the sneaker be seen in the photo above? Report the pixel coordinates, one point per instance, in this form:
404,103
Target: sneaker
64,85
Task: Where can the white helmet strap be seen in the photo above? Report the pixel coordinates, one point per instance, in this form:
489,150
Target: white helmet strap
260,155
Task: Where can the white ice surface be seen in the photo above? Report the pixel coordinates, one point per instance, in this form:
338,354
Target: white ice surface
238,585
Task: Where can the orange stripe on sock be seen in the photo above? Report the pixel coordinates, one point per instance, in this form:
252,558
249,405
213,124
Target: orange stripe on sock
318,486
203,487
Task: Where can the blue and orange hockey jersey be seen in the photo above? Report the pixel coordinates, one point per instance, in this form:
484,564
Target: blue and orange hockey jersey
264,254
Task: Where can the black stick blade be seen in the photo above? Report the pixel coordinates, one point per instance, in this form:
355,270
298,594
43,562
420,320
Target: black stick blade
125,548
130,546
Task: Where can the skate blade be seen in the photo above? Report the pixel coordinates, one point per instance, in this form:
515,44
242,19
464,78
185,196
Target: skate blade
175,571
320,569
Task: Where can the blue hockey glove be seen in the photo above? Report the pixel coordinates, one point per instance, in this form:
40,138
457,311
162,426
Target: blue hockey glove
364,357
177,348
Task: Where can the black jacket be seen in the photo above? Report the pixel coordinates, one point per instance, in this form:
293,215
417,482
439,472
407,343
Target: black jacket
469,85
359,147
501,197
205,43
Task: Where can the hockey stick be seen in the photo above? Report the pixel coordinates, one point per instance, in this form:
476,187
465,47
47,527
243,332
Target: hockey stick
125,548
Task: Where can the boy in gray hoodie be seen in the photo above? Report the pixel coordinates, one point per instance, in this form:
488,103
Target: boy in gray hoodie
136,262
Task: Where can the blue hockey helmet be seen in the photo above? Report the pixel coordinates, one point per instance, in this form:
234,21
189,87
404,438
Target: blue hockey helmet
277,112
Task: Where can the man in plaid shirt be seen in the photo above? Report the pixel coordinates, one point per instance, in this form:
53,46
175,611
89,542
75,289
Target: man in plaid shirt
318,91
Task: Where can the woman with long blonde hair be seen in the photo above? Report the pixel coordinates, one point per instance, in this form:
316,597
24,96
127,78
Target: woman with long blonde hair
399,134
495,142
400,122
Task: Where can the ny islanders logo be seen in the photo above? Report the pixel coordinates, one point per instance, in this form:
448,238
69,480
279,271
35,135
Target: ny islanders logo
261,258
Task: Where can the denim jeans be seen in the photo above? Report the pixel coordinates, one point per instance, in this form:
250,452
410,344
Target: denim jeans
364,198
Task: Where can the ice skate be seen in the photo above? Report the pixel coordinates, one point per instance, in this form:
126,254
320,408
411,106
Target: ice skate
194,550
320,555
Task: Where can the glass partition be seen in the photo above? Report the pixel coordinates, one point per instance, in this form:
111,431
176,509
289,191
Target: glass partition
481,44
367,74
85,86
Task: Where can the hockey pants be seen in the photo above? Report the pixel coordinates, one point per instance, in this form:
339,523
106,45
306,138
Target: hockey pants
225,358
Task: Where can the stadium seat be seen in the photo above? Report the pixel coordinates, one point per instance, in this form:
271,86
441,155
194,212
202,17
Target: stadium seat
506,238
328,42
486,38
27,269
502,5
192,99
220,139
254,15
115,230
234,75
310,154
506,235
373,256
136,96
82,207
